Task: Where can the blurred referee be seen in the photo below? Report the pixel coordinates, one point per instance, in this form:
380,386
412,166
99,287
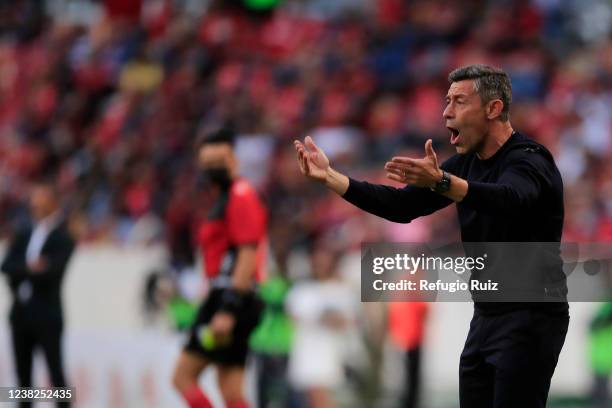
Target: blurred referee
507,189
232,239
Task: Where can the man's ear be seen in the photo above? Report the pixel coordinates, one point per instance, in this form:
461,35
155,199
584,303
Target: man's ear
494,109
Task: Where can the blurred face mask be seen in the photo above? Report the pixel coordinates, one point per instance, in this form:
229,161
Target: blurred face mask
218,176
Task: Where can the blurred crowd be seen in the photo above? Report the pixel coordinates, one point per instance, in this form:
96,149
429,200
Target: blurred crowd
109,97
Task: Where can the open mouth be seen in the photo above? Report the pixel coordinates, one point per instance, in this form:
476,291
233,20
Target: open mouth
454,138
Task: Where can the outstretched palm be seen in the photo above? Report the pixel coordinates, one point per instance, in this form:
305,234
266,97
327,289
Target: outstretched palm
423,172
312,160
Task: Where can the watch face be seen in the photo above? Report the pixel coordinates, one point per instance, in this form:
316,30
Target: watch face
444,185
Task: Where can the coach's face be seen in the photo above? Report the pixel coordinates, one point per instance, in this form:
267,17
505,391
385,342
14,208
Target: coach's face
43,202
465,117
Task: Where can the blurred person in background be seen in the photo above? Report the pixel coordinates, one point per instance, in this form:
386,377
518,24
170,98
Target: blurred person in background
600,343
507,188
232,240
323,310
406,329
163,303
271,339
35,265
180,219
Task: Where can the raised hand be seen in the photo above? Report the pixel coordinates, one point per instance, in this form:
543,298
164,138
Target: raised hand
423,172
312,160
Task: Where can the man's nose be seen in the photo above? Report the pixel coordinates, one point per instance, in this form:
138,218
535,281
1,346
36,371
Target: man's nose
448,112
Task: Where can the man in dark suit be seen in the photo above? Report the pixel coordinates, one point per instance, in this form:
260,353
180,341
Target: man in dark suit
34,265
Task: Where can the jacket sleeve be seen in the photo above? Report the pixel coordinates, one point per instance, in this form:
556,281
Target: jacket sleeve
57,258
396,204
14,265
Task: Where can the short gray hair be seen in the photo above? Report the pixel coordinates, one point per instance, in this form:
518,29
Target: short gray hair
490,83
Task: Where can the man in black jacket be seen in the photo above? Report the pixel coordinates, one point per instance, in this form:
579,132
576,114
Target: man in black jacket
507,189
34,265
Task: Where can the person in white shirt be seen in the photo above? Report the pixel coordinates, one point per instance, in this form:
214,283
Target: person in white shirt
323,310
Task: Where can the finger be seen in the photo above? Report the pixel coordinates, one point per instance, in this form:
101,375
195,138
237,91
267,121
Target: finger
306,163
413,172
397,172
401,179
398,166
418,165
405,160
395,177
429,151
404,171
314,149
301,161
311,144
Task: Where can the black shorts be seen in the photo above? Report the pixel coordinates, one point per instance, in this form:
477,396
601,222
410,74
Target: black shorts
247,318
